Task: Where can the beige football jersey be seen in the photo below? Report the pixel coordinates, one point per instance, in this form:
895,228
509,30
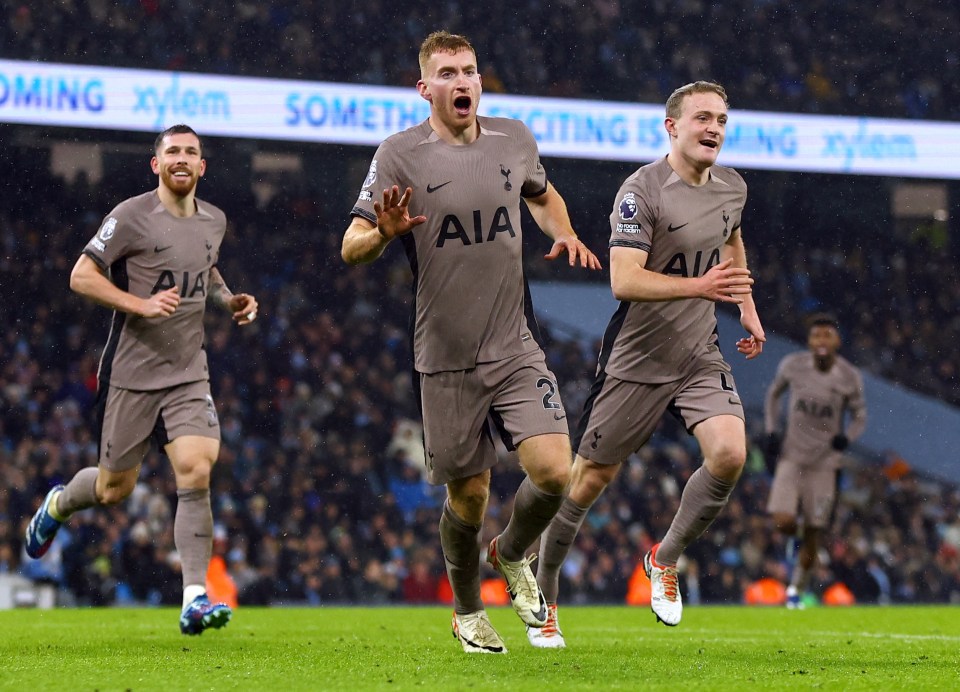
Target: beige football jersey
145,249
471,302
817,407
682,228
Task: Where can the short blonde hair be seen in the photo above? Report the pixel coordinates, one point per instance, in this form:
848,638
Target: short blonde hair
675,102
442,42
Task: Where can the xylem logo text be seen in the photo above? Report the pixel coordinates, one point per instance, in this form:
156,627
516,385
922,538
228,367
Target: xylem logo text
863,144
52,93
177,101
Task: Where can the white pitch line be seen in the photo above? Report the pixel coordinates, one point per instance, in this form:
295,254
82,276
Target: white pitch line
765,634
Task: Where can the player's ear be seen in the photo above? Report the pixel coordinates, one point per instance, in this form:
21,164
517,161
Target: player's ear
203,167
424,91
670,125
155,165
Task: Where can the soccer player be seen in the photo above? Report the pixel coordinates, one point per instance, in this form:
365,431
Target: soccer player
675,250
153,262
825,388
479,365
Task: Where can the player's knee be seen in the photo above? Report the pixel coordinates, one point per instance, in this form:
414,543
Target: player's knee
554,481
785,524
195,475
470,503
728,459
589,480
114,494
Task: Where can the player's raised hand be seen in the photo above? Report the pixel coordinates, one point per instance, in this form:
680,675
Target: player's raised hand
162,304
726,284
393,214
575,250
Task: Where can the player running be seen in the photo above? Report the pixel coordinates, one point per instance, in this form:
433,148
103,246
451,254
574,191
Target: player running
451,191
675,250
825,388
153,262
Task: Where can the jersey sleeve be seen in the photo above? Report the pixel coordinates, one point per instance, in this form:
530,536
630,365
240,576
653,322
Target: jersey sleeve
741,185
380,176
535,178
113,240
632,219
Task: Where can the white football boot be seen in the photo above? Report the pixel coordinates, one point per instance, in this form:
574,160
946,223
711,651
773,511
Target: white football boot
665,601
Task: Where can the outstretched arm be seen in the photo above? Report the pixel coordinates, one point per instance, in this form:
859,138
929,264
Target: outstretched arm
550,212
242,305
365,241
91,282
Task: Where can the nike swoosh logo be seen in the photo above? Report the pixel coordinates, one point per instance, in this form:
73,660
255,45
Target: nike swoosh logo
434,189
671,228
542,613
557,416
203,535
157,248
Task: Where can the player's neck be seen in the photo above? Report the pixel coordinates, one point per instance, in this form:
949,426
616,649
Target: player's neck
688,172
455,135
824,363
183,207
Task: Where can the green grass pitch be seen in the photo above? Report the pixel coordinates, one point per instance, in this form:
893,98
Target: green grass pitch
286,649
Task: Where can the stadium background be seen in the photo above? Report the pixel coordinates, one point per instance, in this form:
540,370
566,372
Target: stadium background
319,496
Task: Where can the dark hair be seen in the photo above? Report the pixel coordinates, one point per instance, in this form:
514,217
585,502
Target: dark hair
822,319
180,129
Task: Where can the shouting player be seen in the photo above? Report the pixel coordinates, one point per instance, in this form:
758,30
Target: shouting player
449,189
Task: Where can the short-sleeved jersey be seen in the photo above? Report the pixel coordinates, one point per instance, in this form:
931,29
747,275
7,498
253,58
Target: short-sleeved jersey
816,409
682,228
145,249
471,300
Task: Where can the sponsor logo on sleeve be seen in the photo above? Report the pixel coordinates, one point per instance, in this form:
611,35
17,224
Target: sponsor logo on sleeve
628,207
365,196
371,174
628,228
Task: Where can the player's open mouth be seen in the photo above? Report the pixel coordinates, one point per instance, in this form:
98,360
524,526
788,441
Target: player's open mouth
462,104
709,143
181,174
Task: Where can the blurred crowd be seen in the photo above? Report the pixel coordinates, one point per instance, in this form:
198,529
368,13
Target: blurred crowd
319,495
819,56
899,312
